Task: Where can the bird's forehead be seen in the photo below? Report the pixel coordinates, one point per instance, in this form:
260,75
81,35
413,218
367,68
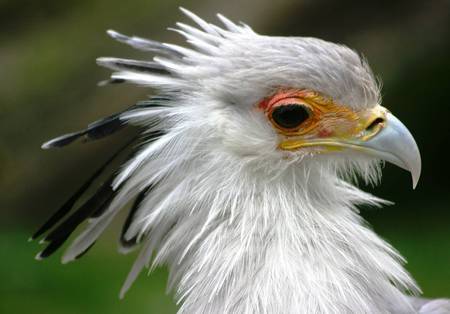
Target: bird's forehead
255,65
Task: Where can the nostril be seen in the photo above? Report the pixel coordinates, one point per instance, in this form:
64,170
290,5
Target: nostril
374,124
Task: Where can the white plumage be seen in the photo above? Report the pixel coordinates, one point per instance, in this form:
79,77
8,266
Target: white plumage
244,226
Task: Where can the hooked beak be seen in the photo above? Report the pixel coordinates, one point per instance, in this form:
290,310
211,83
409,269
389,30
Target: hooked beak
395,144
380,134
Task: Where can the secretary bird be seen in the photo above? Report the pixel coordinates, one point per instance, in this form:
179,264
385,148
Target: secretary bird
242,180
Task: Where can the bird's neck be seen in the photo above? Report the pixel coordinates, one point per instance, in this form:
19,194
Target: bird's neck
284,243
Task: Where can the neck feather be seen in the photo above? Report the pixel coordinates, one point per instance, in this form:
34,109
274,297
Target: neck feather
240,239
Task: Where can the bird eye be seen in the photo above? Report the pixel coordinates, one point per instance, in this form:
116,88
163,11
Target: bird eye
290,116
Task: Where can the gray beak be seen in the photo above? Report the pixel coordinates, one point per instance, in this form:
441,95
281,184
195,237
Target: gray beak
395,144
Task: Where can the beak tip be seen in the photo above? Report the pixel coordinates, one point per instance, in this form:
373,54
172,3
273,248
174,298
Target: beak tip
415,182
399,147
415,178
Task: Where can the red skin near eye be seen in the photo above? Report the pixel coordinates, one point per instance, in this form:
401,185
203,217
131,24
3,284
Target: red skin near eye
281,97
327,119
325,133
288,97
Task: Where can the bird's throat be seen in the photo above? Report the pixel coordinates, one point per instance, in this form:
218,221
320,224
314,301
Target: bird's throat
286,247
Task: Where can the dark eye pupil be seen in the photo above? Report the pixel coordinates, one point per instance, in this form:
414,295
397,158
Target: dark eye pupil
290,116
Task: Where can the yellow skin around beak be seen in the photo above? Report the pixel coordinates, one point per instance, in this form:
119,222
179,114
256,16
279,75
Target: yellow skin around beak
336,128
331,127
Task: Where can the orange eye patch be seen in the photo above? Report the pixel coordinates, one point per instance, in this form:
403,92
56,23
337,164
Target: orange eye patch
304,112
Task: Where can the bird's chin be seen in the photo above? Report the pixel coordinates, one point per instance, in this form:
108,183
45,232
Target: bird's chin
392,143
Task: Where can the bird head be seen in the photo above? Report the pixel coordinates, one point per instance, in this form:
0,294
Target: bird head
275,100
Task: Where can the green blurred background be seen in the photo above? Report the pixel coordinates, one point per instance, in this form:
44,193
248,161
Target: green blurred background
48,87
